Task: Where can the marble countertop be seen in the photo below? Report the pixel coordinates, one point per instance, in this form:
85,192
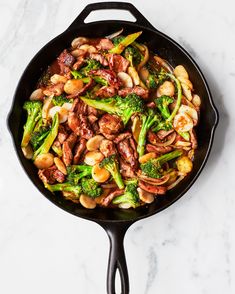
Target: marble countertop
188,248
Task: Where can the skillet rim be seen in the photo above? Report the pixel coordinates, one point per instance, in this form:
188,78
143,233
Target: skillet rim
205,157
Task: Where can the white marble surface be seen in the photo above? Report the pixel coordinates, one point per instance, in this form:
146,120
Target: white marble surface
188,248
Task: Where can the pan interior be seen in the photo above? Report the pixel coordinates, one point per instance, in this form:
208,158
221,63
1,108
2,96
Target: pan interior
159,44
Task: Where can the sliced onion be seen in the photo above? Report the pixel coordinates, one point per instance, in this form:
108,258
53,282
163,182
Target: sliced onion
109,186
180,178
155,182
168,142
145,59
163,63
182,144
115,34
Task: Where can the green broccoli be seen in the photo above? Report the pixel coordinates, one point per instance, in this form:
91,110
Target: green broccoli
151,82
77,75
111,164
123,43
77,172
48,141
91,64
149,119
34,113
86,80
38,137
123,107
152,168
133,55
130,195
66,187
60,100
162,104
90,187
117,40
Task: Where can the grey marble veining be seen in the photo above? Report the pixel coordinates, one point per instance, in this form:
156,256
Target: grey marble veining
188,248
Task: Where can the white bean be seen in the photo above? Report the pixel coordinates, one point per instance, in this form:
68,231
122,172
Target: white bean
134,75
73,86
145,196
180,71
126,79
36,95
60,165
78,42
87,202
46,107
27,151
94,143
100,175
93,157
44,160
167,88
58,79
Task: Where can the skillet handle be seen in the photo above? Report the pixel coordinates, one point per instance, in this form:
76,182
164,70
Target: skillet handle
117,259
140,19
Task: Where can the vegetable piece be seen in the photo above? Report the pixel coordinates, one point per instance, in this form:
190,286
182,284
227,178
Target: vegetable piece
145,196
183,123
94,143
36,95
73,86
146,157
60,100
152,168
38,137
149,119
90,187
34,112
68,187
162,104
130,195
77,172
184,164
126,79
46,145
126,41
44,160
123,107
133,55
167,88
111,164
91,64
60,165
27,151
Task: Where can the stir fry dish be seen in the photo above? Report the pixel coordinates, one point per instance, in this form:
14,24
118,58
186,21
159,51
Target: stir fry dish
111,123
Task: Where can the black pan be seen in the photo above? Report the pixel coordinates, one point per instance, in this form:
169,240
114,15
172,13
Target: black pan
116,221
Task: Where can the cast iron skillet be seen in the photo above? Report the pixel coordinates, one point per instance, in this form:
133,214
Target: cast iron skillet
115,221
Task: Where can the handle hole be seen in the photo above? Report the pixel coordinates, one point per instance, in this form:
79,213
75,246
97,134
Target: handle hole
117,282
113,14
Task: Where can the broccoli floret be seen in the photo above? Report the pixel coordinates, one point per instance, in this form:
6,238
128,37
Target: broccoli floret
133,55
130,195
60,100
117,40
48,141
162,104
111,164
67,187
90,187
76,74
92,64
149,119
152,168
77,172
34,113
38,137
123,107
123,43
151,82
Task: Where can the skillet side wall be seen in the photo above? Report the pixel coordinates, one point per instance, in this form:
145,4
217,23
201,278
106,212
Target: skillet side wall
158,43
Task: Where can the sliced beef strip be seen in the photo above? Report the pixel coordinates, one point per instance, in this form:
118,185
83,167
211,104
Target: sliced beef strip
67,149
110,125
107,147
127,153
78,150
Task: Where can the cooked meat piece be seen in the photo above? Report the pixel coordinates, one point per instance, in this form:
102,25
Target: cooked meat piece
78,150
106,201
96,128
67,148
127,153
110,125
99,57
104,44
126,170
51,175
58,176
65,61
122,136
46,175
79,107
79,63
108,75
85,128
153,138
158,149
92,110
56,89
62,134
137,90
83,90
117,63
92,118
74,123
161,190
151,105
107,148
193,139
134,147
162,134
106,92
